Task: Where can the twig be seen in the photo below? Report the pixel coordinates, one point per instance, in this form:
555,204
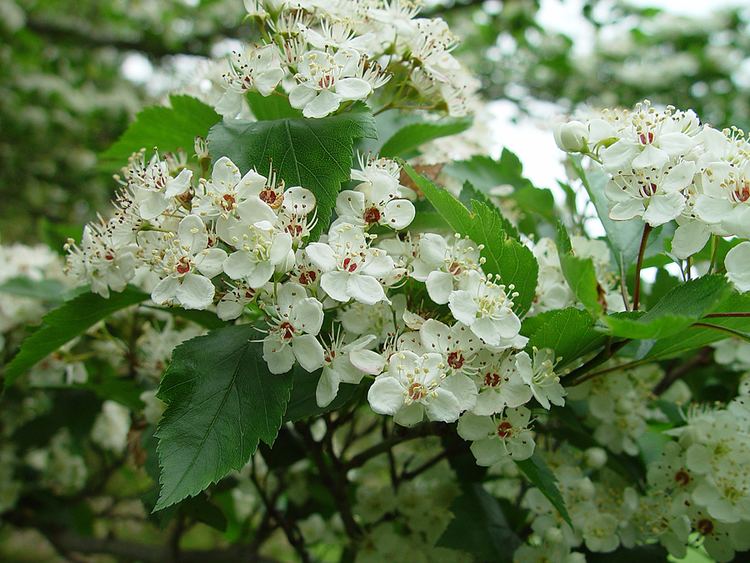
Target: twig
701,358
639,265
420,431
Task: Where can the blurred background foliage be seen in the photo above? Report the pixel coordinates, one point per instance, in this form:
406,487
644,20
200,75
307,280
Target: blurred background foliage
72,73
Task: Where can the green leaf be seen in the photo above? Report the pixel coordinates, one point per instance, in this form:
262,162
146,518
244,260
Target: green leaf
579,273
66,322
302,403
537,472
50,291
697,337
569,332
504,256
167,128
479,527
486,173
268,108
221,401
410,137
469,194
677,310
313,153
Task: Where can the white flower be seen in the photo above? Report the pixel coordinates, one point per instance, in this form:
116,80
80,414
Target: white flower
442,264
457,343
725,200
486,308
232,303
651,139
500,383
255,69
737,263
600,532
187,254
497,438
656,194
346,363
154,189
326,80
295,322
539,375
350,268
110,430
226,189
416,384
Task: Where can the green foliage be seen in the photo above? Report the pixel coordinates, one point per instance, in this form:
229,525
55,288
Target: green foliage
479,527
540,475
505,256
221,402
579,273
66,322
410,137
569,332
166,128
313,153
302,403
268,108
50,291
486,173
677,310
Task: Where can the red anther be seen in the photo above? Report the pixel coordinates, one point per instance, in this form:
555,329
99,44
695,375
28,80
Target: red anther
504,429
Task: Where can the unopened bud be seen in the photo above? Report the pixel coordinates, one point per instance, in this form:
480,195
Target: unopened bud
595,457
571,136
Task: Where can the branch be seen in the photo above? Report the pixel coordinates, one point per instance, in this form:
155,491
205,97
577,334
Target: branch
419,431
701,358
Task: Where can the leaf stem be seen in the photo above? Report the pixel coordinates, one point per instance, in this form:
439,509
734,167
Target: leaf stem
638,265
729,314
727,330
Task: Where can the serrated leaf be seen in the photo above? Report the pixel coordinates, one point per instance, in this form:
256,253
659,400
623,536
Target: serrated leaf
695,337
167,128
569,332
580,274
537,472
66,322
221,401
411,136
479,527
504,256
469,194
677,310
486,173
313,153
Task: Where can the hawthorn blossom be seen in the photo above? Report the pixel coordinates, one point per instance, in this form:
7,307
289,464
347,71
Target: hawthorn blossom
496,438
324,80
187,254
295,321
725,198
346,363
500,384
457,343
255,69
226,189
350,267
415,385
442,264
737,264
486,309
539,374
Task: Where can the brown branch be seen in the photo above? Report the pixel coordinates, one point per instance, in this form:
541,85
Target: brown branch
419,431
701,358
638,266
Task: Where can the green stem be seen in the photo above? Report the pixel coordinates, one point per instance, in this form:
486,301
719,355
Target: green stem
638,265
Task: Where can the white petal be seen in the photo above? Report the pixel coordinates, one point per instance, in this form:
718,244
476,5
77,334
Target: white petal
443,406
488,451
350,205
260,275
662,208
308,351
737,263
409,415
328,387
626,210
225,174
439,286
463,307
365,289
398,213
300,95
353,88
690,238
651,157
307,315
367,361
254,210
324,103
195,292
680,177
711,209
210,262
165,290
192,233
179,184
463,388
335,284
152,205
238,265
280,247
473,427
278,356
386,395
321,255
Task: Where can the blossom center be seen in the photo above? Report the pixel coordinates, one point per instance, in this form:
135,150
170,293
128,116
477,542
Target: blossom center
372,215
455,360
228,202
416,391
492,379
646,138
705,526
306,278
504,429
349,265
183,266
682,477
270,197
326,81
287,330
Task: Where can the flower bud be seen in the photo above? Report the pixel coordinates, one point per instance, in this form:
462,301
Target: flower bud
595,458
571,136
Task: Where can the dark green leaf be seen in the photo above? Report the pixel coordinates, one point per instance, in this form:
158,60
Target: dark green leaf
410,137
221,401
271,107
537,472
486,173
504,256
470,194
50,291
313,153
569,332
302,403
479,527
167,128
66,322
677,310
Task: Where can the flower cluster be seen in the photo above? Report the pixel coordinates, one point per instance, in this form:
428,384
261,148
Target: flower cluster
665,165
325,55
